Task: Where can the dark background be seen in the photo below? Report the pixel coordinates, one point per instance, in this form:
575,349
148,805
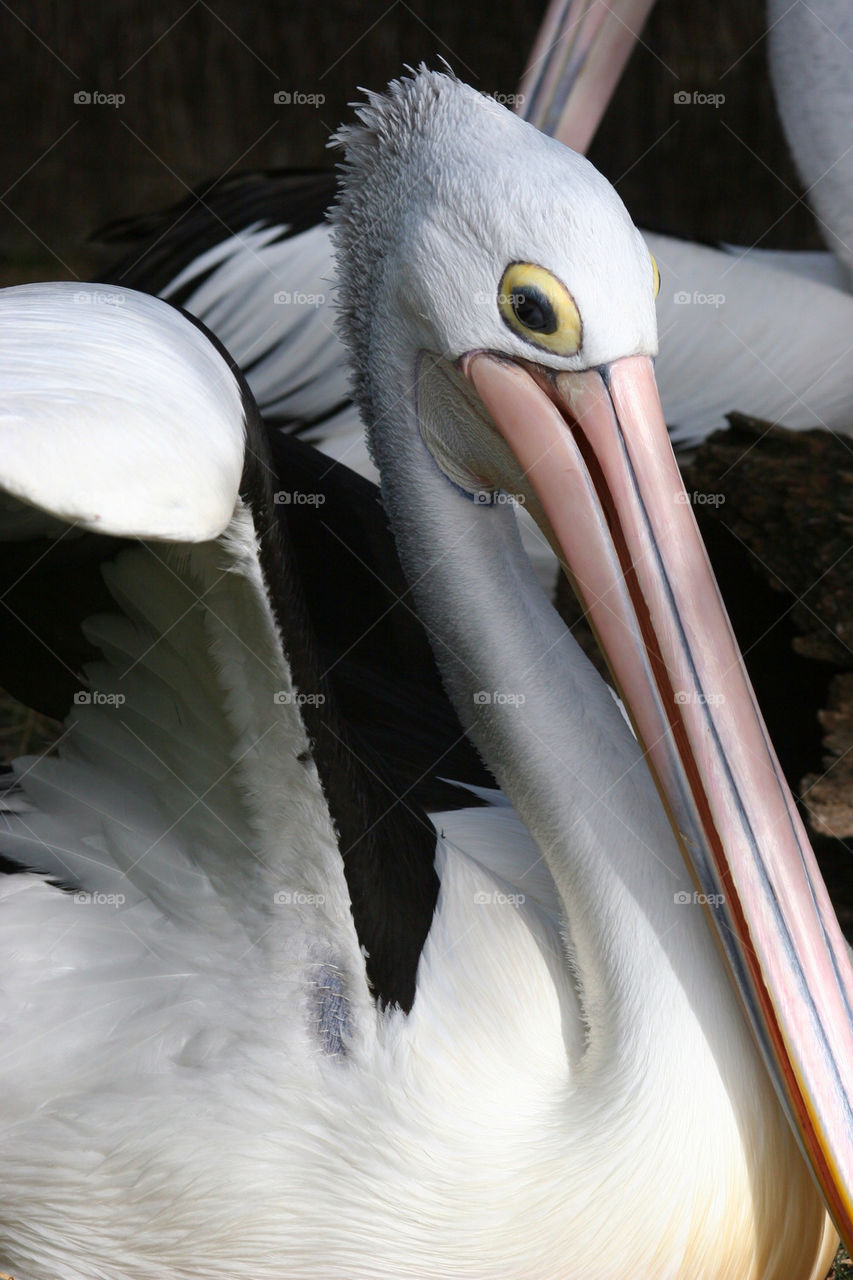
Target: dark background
199,80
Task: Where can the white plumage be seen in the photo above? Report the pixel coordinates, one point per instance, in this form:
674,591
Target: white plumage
809,50
61,453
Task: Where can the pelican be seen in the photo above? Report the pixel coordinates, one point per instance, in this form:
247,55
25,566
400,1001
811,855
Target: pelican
251,257
228,1052
267,288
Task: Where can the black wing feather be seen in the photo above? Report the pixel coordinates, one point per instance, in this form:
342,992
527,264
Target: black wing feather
162,244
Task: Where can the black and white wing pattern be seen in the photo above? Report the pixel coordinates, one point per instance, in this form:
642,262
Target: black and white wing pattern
185,781
250,257
153,598
216,889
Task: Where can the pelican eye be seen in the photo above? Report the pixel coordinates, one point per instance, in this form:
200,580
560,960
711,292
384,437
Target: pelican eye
532,309
538,308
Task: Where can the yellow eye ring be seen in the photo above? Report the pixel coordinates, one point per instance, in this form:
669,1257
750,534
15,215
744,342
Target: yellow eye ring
538,307
656,274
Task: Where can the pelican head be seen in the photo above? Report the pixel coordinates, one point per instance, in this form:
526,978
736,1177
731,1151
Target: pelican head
499,306
465,204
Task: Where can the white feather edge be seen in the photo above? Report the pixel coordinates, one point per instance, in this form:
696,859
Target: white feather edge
183,777
116,413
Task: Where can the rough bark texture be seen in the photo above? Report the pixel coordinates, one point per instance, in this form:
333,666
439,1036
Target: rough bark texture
789,503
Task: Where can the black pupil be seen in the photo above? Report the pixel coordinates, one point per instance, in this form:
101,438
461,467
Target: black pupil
533,310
